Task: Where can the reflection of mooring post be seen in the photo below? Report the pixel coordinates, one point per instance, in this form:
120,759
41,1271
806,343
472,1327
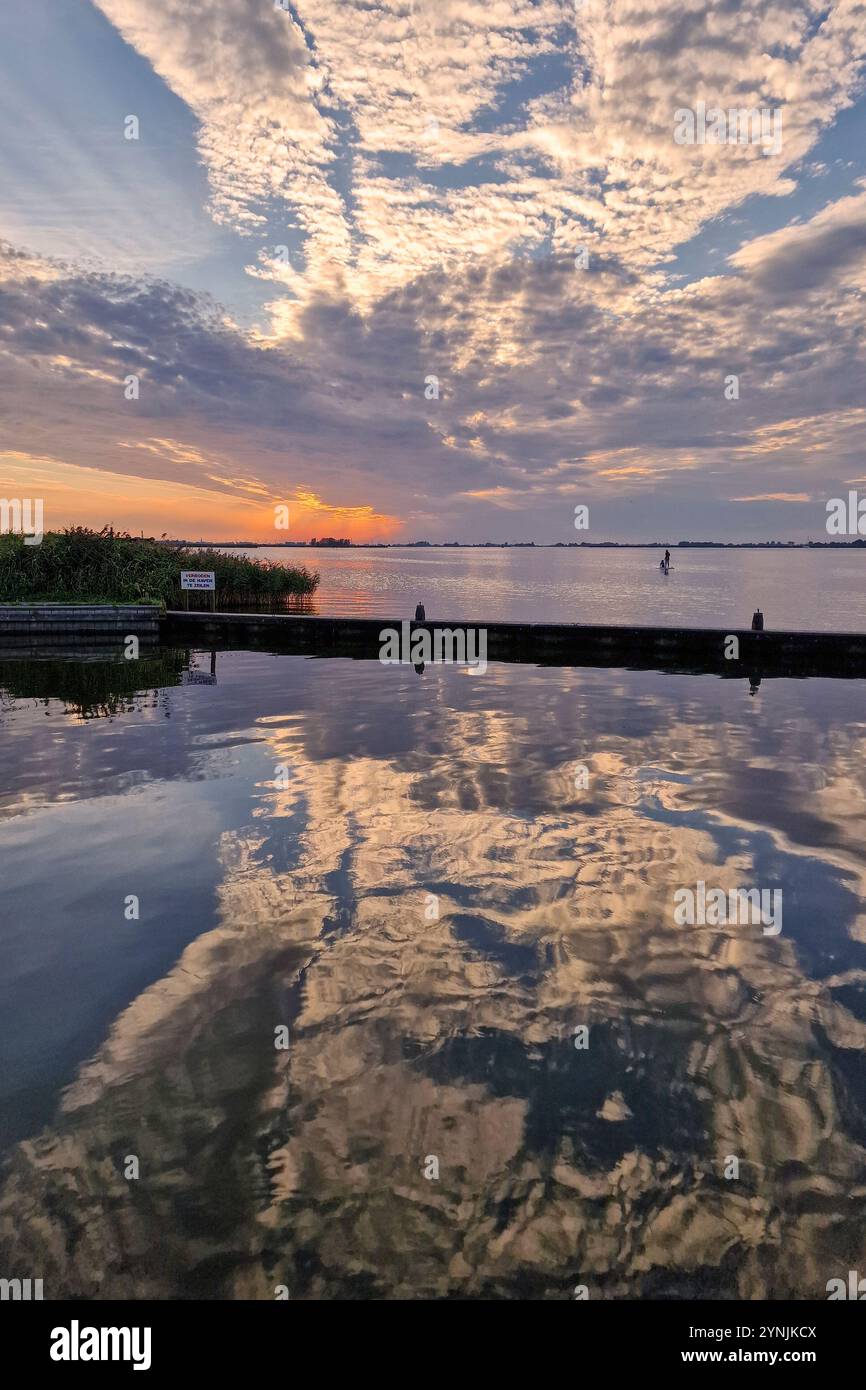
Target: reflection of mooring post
754,676
213,664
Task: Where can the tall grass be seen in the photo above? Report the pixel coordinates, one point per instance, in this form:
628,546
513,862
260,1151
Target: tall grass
83,566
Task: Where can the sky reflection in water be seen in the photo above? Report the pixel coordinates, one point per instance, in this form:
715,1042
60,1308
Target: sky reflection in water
304,904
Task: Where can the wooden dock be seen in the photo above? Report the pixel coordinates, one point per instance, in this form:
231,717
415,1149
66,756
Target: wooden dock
548,644
56,629
47,629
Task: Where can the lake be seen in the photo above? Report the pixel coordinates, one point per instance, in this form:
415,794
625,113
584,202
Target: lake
822,591
345,981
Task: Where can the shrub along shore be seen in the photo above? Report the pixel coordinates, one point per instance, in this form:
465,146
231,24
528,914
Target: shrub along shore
83,566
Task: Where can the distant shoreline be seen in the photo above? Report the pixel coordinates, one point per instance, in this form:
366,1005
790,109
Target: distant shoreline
857,544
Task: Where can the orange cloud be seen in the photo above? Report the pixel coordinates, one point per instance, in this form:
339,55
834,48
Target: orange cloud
774,497
78,496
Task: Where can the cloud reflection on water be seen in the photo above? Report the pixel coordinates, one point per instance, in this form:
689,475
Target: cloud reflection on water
454,1037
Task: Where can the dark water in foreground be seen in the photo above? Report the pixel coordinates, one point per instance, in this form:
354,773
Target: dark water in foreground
401,870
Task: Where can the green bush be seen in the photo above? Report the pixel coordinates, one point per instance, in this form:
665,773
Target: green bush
83,566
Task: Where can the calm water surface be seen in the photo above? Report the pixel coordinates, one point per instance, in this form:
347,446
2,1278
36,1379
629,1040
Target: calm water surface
799,589
399,868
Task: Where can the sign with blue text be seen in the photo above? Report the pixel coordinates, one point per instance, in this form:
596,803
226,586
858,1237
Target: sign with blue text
197,579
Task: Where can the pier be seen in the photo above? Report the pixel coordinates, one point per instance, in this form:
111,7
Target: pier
67,629
547,644
101,630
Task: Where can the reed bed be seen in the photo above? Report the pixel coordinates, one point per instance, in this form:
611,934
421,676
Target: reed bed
79,565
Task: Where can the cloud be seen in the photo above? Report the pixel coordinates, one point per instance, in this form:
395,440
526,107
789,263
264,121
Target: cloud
244,70
403,139
830,250
531,355
448,251
775,497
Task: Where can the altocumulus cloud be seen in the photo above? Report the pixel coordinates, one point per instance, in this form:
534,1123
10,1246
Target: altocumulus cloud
439,167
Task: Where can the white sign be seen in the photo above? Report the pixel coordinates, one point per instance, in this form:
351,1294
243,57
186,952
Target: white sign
197,579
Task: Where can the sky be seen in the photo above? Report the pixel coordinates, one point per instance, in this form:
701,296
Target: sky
432,269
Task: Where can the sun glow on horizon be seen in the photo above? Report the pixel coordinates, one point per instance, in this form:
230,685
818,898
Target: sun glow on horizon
79,496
